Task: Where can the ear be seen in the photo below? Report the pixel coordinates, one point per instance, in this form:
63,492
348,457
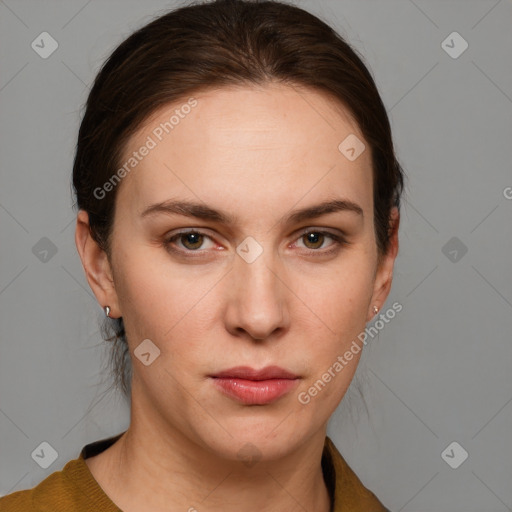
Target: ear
384,272
96,265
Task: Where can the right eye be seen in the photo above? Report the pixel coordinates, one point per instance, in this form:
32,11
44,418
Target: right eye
191,241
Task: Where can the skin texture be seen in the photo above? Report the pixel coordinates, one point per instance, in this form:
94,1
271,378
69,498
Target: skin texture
256,153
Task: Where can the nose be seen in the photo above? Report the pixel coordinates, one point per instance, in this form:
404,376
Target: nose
257,305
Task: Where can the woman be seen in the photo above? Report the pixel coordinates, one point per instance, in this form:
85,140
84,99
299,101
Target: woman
238,199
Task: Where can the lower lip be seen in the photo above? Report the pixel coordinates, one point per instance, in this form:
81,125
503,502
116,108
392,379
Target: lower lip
255,392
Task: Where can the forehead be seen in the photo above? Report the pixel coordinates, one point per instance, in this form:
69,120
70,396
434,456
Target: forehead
249,143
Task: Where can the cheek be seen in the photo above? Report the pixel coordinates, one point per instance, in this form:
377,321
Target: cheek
162,302
341,306
339,298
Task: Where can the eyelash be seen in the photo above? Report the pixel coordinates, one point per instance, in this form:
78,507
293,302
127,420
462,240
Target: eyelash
339,241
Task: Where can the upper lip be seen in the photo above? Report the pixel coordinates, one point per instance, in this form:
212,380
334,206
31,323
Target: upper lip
248,373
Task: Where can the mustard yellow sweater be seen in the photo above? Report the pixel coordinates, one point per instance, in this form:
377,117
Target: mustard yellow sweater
74,489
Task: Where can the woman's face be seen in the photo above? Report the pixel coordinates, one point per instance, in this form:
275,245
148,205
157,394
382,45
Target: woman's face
249,288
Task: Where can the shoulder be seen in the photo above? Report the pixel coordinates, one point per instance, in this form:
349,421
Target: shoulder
71,489
54,493
19,501
349,492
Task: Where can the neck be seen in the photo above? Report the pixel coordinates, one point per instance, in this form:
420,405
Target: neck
155,469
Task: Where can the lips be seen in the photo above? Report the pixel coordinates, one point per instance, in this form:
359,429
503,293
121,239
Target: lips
255,387
248,373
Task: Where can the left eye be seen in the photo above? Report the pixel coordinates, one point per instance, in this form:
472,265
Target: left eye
316,239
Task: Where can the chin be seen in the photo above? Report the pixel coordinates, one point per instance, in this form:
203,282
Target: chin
251,438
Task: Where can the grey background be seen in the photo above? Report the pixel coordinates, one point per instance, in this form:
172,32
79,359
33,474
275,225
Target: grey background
439,372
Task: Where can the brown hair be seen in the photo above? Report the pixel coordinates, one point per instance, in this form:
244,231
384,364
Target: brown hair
209,45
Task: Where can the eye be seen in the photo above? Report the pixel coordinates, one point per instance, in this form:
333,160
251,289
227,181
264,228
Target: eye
314,240
191,241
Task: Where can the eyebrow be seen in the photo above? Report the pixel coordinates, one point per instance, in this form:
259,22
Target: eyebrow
202,211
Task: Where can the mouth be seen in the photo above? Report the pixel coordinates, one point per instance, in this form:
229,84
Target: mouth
255,387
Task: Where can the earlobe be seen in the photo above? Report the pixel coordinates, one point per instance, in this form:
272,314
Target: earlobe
96,265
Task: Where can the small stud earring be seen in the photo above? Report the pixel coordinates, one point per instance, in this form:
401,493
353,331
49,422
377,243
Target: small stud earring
375,309
107,311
